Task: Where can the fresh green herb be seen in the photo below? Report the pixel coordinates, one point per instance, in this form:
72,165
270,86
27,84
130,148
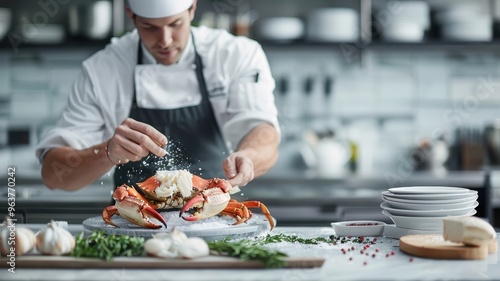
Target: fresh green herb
313,241
293,239
359,239
100,245
247,250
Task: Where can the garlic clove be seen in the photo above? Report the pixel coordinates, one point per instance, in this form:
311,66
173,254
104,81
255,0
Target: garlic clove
15,239
178,236
161,247
194,247
176,244
55,240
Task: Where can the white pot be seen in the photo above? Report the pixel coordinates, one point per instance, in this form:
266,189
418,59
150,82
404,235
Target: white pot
332,158
477,29
92,20
333,25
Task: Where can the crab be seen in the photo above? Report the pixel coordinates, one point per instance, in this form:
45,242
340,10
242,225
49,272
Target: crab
197,197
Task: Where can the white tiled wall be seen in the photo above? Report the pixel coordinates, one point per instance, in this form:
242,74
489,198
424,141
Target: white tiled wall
388,103
413,95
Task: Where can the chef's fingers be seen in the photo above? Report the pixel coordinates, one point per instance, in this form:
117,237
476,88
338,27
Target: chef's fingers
146,136
229,167
242,178
243,168
121,150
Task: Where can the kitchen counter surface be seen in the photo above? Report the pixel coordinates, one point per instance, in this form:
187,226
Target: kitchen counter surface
338,266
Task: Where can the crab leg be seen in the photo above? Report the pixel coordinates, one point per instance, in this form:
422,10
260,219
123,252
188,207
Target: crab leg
108,212
235,207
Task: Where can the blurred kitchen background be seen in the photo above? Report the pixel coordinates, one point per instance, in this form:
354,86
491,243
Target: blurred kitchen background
371,94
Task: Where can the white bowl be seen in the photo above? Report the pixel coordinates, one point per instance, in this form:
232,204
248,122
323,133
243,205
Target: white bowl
403,31
280,28
421,223
358,228
433,206
429,213
333,25
417,11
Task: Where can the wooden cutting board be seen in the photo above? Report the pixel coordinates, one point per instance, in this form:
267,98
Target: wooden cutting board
433,246
210,262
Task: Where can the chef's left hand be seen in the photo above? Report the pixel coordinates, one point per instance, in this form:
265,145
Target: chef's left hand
238,168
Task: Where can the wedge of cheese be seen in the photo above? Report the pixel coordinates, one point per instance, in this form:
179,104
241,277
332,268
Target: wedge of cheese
468,230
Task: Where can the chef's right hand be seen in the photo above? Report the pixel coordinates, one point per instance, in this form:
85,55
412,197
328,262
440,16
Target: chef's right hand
134,140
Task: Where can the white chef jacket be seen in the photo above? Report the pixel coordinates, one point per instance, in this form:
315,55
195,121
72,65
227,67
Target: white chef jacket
101,96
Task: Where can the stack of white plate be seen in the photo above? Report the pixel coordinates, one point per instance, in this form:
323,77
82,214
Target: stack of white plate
425,207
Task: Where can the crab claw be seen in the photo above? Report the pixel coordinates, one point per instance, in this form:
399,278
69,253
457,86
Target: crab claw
133,207
108,212
205,205
138,212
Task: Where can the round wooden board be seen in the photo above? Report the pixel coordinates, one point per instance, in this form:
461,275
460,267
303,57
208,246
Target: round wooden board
433,246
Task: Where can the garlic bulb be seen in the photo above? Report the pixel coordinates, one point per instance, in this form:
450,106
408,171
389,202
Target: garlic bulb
176,244
15,239
54,240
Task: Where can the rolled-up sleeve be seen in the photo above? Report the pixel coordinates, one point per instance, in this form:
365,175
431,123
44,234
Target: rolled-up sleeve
251,99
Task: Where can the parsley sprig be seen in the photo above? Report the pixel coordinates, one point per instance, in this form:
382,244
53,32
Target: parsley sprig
103,246
247,250
293,239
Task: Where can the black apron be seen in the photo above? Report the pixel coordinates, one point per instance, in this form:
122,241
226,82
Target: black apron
195,142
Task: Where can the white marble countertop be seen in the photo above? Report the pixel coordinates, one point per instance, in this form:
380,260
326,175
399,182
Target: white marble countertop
384,262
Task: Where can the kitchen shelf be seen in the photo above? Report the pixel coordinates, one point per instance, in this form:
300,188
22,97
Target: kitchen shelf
68,44
429,45
435,44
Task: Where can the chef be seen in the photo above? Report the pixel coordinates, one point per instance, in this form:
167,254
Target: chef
166,96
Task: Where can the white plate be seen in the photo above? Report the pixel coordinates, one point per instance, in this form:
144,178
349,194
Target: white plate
436,196
428,213
421,223
432,206
214,228
424,202
358,228
427,190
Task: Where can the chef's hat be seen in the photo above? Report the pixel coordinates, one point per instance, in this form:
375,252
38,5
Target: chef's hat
159,8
